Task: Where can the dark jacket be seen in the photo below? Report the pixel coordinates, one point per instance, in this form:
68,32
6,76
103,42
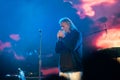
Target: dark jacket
70,50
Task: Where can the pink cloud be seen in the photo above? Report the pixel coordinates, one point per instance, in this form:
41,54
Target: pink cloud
15,37
18,57
95,8
109,40
4,45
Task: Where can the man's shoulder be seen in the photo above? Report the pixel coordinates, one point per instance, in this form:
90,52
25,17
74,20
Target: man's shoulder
76,32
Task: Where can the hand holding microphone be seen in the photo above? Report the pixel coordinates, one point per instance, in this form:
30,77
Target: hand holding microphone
61,34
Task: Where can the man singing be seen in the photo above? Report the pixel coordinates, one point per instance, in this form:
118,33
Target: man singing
69,47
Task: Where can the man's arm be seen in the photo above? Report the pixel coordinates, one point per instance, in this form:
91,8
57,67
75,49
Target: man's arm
67,43
71,40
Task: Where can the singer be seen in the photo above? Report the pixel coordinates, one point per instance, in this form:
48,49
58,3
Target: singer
69,47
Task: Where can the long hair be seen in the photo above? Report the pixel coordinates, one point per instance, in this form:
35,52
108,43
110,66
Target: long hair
68,21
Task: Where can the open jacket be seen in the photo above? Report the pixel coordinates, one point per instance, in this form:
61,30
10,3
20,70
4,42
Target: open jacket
70,50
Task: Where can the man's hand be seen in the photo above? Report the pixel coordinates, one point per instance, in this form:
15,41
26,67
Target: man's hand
60,34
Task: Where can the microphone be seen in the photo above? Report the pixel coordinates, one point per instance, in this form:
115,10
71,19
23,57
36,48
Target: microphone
60,37
61,34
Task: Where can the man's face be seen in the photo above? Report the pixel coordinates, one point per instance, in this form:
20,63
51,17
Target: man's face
65,26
